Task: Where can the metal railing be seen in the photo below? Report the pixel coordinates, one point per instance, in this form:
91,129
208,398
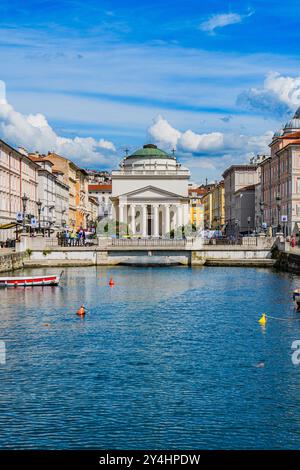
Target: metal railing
71,242
147,242
243,241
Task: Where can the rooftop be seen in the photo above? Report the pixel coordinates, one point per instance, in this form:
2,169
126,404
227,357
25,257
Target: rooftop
100,187
245,167
151,151
251,187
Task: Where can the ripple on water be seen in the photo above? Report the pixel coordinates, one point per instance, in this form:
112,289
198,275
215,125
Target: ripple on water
168,358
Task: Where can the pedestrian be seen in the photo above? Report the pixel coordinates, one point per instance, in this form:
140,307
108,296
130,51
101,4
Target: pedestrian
293,241
67,238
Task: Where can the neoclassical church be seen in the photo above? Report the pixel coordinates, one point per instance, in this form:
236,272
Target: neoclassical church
150,192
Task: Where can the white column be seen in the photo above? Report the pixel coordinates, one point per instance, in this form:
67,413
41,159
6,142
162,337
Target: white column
186,214
155,221
121,213
167,219
125,216
113,211
144,220
175,217
179,215
133,228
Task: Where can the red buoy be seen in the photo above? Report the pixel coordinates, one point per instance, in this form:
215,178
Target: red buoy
81,311
111,282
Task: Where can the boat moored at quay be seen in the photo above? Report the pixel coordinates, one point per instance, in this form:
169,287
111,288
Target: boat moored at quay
47,280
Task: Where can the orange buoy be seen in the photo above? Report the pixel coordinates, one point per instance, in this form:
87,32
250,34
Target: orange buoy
111,282
81,311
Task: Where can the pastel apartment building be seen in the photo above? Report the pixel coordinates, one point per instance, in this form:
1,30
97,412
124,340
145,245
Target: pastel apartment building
18,177
280,179
236,179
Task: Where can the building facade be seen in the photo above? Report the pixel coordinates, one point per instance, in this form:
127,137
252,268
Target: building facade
103,194
99,177
150,193
245,210
18,177
207,204
53,196
93,212
259,219
280,179
196,206
237,177
218,206
81,198
77,181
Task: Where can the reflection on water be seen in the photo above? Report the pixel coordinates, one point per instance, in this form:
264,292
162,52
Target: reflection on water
168,358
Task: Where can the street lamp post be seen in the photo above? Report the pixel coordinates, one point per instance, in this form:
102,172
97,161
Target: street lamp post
261,206
236,229
24,202
278,202
39,204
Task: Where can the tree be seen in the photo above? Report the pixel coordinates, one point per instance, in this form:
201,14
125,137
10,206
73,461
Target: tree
109,227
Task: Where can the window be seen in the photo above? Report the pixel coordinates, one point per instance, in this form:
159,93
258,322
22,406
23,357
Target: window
298,185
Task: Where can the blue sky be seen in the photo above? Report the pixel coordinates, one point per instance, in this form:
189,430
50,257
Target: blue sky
214,79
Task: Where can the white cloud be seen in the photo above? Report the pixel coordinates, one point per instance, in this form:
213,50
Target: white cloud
163,133
209,154
34,133
287,89
213,151
2,92
278,96
260,144
167,136
221,20
190,141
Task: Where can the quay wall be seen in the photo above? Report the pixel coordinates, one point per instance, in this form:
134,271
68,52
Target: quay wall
208,255
11,261
288,262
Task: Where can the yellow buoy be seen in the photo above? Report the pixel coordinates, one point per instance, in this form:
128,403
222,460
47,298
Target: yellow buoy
263,319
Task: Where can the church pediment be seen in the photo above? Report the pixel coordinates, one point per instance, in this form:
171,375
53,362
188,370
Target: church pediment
150,193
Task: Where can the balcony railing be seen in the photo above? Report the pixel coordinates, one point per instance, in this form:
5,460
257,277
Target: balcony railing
150,172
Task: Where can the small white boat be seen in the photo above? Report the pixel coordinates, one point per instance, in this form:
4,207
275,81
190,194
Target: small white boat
296,297
48,280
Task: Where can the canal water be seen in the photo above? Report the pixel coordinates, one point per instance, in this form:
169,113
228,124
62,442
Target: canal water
168,358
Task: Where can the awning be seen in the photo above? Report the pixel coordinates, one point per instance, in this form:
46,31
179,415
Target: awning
9,225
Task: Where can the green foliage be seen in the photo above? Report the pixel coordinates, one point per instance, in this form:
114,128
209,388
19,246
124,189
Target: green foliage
46,252
187,230
28,252
110,227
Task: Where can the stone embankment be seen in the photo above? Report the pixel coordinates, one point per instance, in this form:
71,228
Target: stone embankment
11,261
42,252
288,261
148,255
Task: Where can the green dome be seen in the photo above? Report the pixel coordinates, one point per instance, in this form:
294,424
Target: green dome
151,151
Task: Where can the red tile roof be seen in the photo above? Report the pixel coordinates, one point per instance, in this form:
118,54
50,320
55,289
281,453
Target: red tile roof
197,191
38,159
100,187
